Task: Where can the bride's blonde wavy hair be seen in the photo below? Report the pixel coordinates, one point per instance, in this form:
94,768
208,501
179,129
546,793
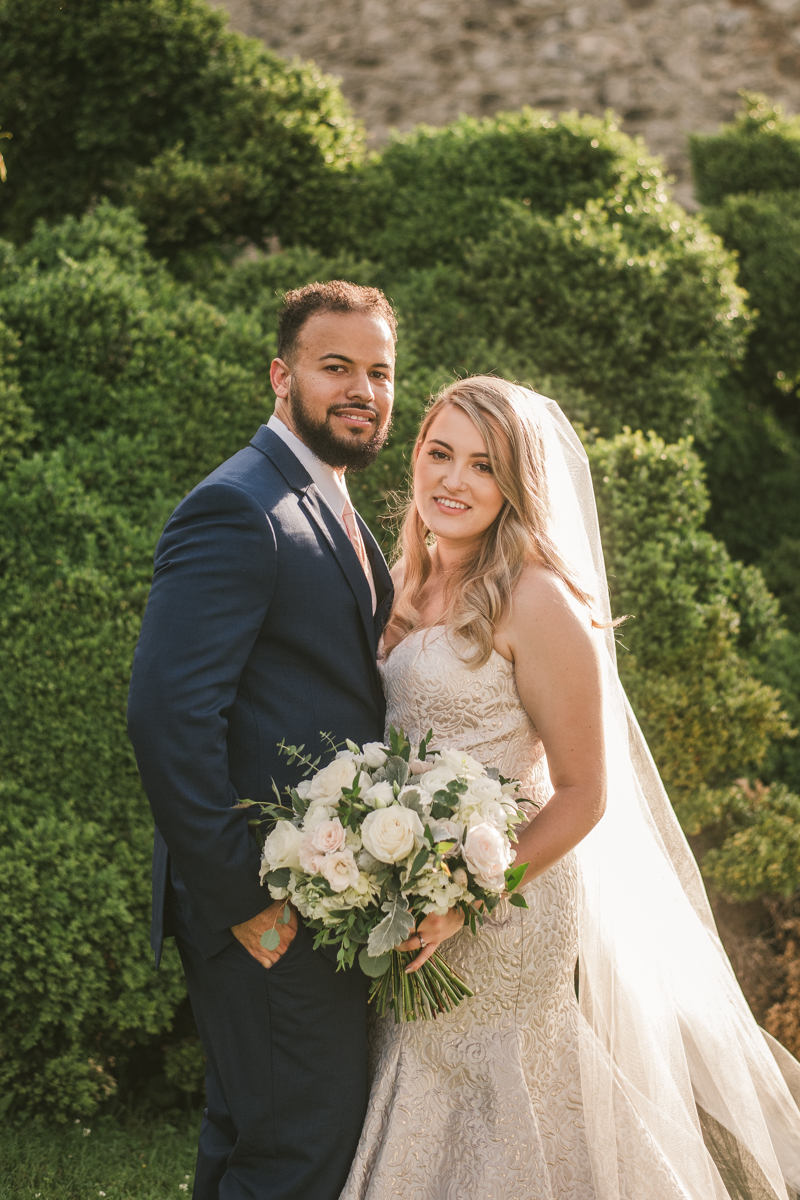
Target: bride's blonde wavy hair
480,592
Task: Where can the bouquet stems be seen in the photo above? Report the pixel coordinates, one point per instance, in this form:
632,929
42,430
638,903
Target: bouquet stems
434,988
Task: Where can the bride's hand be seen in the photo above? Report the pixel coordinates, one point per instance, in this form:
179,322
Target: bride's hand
432,930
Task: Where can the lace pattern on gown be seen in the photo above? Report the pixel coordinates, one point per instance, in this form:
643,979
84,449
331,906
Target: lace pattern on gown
485,1103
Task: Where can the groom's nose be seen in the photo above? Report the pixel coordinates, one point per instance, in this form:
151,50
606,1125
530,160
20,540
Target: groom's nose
361,387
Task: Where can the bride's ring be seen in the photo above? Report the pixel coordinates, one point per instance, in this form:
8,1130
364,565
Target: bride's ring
422,942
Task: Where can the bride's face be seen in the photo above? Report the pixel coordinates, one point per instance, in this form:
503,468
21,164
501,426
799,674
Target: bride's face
454,489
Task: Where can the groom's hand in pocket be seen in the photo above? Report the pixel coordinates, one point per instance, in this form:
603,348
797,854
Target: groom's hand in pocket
250,933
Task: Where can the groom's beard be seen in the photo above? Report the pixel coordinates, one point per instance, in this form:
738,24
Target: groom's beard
349,452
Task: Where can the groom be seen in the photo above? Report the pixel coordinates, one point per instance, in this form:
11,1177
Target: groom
268,598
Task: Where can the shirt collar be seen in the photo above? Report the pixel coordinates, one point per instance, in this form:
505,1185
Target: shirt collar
330,483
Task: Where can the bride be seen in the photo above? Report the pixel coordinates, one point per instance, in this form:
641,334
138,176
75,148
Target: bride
656,1084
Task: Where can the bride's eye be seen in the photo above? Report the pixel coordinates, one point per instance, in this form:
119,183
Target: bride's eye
437,454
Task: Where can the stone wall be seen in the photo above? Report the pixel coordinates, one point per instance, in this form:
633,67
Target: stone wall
667,67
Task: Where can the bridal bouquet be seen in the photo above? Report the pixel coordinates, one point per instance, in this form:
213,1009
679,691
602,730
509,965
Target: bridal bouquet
369,844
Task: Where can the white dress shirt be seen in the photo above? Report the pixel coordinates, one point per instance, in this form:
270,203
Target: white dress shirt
330,482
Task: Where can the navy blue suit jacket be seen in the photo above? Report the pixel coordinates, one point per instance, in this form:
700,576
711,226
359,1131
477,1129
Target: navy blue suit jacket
259,627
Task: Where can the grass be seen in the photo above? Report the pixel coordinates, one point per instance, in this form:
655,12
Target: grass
122,1158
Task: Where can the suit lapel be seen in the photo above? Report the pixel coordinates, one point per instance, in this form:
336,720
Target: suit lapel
299,480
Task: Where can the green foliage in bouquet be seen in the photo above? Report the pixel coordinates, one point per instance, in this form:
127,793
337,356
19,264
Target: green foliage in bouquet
365,848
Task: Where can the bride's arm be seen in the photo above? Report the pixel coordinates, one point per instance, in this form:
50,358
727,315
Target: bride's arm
556,656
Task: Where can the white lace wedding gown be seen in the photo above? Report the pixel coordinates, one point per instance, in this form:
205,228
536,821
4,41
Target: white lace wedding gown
485,1103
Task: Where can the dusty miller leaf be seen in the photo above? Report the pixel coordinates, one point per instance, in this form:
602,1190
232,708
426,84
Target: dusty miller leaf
396,769
393,929
412,799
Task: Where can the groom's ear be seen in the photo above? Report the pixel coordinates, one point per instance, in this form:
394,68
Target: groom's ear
280,377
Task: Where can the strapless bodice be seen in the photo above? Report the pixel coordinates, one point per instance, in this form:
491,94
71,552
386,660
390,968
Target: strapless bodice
429,686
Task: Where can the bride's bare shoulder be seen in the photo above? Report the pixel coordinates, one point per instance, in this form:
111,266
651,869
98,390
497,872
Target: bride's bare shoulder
542,598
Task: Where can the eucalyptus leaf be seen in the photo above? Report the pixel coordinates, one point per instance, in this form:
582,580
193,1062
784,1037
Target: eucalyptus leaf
286,915
458,787
271,939
279,878
374,967
393,929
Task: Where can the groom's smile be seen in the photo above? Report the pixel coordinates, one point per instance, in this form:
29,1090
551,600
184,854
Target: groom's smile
335,388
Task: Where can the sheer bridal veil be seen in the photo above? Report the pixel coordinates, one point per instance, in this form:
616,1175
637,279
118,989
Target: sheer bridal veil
670,1054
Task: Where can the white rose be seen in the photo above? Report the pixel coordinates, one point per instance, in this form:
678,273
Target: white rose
340,870
390,834
495,814
437,779
328,836
374,754
420,766
310,857
302,788
487,854
461,763
329,782
318,812
460,877
380,795
485,788
281,848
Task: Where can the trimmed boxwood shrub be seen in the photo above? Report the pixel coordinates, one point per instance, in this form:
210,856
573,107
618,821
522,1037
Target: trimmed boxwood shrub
207,132
122,385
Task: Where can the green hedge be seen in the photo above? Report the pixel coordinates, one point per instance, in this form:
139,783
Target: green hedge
208,133
749,176
759,152
123,382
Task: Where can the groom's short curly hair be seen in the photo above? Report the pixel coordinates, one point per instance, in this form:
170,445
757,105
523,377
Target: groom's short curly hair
336,296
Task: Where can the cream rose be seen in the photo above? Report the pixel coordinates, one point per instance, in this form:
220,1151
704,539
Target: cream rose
328,783
340,870
461,763
390,834
380,795
319,811
487,854
374,754
437,779
485,788
281,848
328,836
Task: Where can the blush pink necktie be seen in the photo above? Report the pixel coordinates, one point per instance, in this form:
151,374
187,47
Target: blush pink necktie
354,533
